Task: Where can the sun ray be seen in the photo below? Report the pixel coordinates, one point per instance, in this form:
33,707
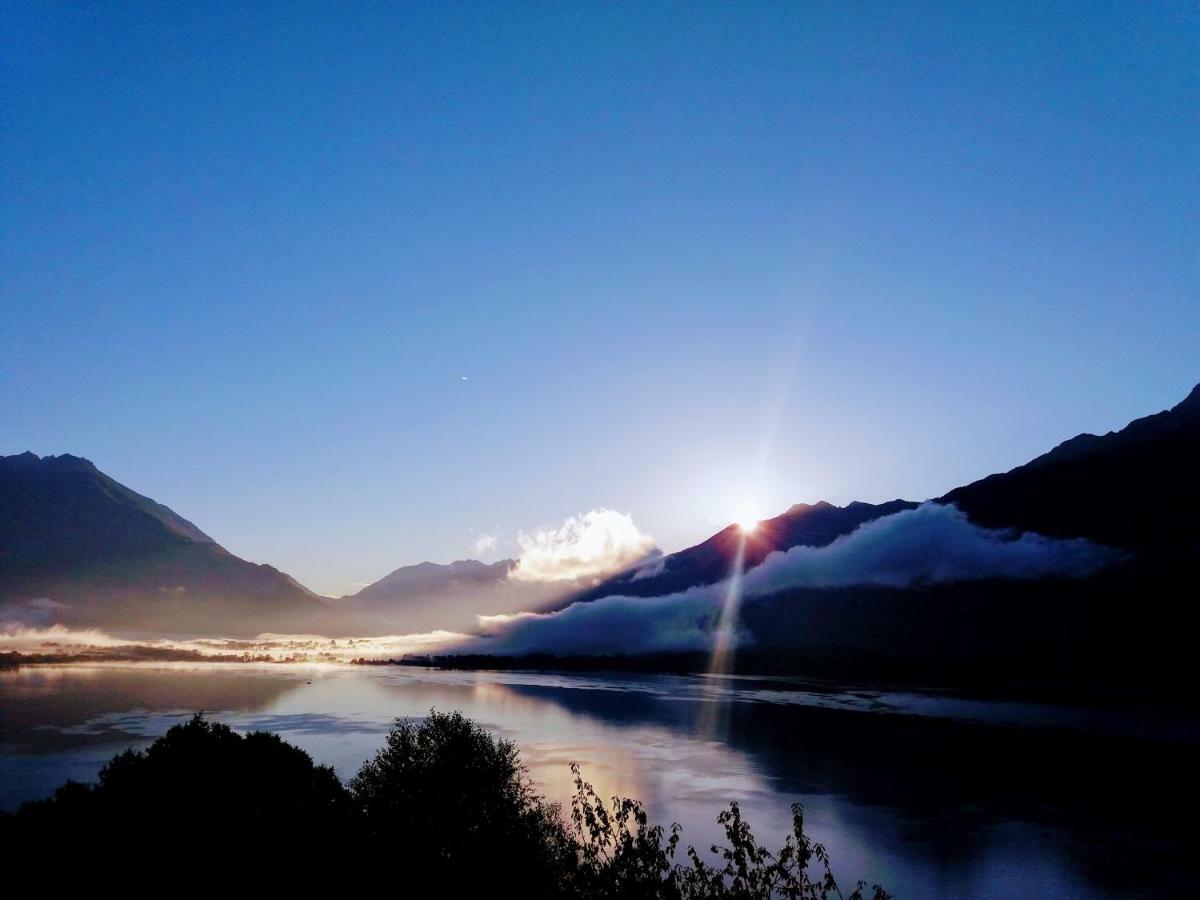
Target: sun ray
725,634
712,715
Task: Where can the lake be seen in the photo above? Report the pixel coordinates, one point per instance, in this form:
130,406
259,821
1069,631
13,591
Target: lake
933,795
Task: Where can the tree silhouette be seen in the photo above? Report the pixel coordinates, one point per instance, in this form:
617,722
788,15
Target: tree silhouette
447,793
201,785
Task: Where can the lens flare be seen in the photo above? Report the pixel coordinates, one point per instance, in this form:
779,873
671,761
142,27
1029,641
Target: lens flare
748,517
726,631
713,718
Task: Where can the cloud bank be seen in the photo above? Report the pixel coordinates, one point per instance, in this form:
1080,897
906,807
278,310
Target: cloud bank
597,543
95,645
616,624
928,545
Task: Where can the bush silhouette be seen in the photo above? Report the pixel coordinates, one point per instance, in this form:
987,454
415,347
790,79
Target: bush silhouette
621,855
457,799
201,784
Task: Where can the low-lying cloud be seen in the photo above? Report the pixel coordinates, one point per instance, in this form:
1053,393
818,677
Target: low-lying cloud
931,544
616,624
655,565
58,642
597,543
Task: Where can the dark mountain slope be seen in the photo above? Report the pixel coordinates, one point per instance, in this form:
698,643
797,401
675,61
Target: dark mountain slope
70,533
63,510
1137,488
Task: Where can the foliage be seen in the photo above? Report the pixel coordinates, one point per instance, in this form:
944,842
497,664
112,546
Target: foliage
444,803
199,780
619,854
449,794
622,855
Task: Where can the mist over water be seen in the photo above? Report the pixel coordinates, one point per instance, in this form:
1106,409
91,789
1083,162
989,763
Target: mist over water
890,780
57,643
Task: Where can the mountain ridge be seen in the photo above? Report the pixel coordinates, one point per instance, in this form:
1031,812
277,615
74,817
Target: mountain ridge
1069,490
429,596
110,555
1060,493
428,573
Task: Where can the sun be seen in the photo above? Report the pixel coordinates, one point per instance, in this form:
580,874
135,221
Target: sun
748,521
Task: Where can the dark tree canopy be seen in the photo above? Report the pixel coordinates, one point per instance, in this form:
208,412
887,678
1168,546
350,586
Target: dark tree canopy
446,792
200,791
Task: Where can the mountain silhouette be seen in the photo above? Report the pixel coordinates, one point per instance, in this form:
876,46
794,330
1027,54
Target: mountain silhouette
1123,632
105,554
432,577
1136,488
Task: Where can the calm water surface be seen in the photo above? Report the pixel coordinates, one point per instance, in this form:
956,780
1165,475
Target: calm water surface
933,796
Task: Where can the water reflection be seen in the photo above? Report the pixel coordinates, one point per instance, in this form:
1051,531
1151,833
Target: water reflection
934,796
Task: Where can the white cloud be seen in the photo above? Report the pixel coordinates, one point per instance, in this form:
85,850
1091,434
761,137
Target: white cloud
485,543
618,624
34,639
930,544
927,545
653,567
596,543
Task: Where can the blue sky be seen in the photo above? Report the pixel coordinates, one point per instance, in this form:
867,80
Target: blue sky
687,257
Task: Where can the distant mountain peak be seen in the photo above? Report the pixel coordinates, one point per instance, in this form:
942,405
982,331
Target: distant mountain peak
430,576
427,596
63,463
75,534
